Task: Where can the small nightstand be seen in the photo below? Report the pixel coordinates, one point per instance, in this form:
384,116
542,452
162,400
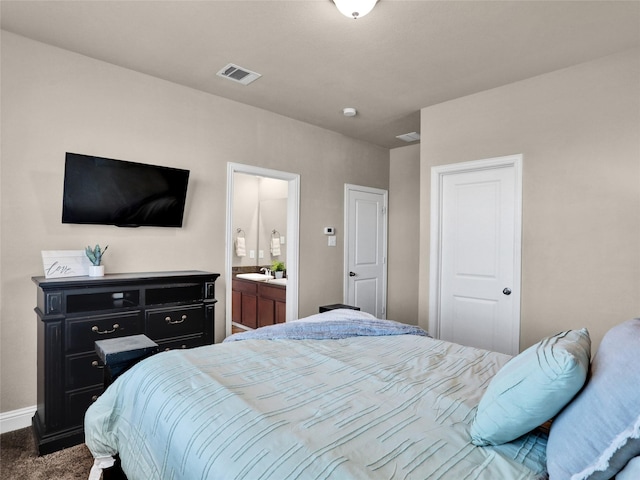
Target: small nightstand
335,306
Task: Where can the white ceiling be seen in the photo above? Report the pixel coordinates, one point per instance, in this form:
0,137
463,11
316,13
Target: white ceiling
405,55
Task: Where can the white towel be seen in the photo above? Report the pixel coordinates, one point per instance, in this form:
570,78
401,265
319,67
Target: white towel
275,246
241,250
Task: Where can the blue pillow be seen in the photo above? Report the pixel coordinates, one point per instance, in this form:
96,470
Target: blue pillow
599,432
532,387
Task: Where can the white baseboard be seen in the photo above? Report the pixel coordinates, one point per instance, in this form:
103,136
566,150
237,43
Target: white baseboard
16,419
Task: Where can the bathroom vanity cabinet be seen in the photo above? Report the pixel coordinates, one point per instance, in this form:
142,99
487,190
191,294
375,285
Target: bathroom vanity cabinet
258,304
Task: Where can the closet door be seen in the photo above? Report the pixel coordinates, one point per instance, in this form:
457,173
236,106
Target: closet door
479,255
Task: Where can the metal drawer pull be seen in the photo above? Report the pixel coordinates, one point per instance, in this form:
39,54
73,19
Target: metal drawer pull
171,322
95,364
97,330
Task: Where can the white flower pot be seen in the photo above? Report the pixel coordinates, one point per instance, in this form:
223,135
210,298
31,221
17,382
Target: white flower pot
278,274
96,271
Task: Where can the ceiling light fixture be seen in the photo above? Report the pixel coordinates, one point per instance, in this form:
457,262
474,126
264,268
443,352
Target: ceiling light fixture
349,112
355,8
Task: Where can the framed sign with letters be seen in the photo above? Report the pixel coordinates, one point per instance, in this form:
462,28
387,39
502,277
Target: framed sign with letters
65,263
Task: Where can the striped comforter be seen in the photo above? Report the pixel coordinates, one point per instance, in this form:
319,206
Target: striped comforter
363,407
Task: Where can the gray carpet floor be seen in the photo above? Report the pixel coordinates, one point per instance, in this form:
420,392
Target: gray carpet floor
19,459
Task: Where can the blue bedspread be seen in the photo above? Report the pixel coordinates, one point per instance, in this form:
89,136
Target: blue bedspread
359,408
332,328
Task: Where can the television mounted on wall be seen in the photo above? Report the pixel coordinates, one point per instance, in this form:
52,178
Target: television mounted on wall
105,191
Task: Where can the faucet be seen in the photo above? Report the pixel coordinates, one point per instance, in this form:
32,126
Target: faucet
266,271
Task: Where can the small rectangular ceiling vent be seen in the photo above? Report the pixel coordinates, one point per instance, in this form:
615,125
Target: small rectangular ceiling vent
409,137
238,74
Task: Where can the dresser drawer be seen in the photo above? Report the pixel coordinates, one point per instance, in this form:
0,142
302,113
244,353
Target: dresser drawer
175,322
83,371
81,333
77,403
181,343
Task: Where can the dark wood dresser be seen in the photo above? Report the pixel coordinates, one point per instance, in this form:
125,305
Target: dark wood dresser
174,309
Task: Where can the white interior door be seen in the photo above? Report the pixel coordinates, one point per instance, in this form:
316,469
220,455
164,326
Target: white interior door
478,291
366,249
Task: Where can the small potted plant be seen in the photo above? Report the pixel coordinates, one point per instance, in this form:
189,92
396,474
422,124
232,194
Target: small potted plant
278,268
95,257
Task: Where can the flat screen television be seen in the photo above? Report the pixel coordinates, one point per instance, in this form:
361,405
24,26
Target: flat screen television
105,191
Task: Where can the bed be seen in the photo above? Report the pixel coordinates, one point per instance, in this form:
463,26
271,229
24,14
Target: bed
338,395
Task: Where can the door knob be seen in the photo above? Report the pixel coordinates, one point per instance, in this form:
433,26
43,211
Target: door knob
507,291
351,274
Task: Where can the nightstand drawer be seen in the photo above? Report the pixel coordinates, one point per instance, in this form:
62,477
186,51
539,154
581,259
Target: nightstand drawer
174,322
81,333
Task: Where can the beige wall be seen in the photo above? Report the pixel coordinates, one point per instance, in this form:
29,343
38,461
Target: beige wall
404,234
579,131
55,101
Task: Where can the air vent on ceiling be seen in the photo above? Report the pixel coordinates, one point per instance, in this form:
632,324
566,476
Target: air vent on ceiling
238,74
409,137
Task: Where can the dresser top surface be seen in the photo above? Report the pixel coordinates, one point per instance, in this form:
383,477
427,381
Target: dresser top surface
122,277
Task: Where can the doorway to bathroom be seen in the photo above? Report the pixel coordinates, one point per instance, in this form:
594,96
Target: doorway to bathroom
264,229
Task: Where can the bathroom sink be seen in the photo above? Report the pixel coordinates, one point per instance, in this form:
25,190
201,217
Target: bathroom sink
279,281
257,277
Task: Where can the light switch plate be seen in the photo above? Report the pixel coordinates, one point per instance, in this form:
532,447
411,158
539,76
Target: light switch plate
332,240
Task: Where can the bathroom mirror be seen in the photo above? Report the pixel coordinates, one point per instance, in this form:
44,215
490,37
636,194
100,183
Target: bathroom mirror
259,220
